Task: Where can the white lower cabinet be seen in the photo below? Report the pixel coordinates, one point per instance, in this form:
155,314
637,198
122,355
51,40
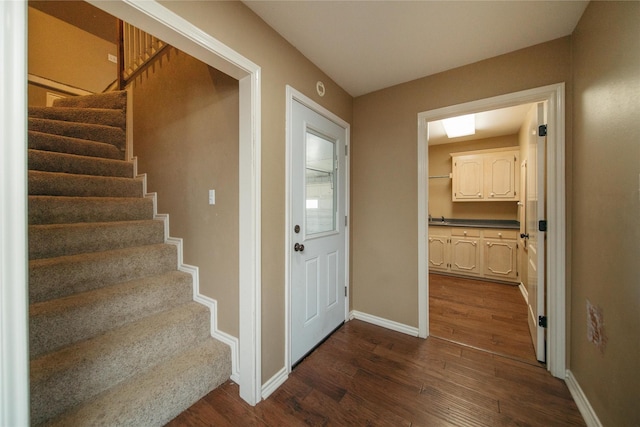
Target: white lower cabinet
500,254
474,252
438,251
465,251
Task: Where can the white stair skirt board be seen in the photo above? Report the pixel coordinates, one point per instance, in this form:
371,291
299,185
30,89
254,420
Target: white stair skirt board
211,303
585,408
385,323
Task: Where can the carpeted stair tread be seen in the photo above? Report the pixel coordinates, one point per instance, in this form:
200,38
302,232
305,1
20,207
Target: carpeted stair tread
63,379
53,240
65,144
63,184
52,278
92,132
50,161
111,100
101,116
66,210
155,397
57,323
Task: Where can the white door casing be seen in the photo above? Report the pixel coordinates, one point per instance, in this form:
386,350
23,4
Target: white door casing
535,212
14,297
317,231
555,258
154,18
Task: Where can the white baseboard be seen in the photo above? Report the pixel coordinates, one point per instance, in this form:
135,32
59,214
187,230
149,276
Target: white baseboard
524,292
385,323
274,382
585,408
231,341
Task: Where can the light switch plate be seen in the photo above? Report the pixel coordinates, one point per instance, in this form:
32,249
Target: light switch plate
212,197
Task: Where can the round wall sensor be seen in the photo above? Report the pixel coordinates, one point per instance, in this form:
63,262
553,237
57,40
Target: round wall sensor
320,88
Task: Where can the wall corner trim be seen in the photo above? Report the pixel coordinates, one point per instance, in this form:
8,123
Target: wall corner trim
385,323
585,408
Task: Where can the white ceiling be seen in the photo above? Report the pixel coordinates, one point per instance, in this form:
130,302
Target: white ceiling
369,45
366,45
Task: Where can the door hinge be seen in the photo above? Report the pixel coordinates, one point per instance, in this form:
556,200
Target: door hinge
542,225
345,291
542,130
346,150
346,221
542,321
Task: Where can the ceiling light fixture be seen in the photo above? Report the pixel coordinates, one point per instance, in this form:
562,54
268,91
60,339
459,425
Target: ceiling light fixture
460,126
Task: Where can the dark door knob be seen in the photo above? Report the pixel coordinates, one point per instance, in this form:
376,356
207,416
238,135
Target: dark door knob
524,235
298,247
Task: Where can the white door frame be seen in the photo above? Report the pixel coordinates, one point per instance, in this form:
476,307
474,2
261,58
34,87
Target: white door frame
293,95
556,210
14,298
153,18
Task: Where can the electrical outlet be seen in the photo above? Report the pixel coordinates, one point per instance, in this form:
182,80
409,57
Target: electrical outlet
112,58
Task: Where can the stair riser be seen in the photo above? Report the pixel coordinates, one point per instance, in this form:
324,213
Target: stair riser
158,396
99,133
59,277
106,117
62,380
58,323
81,147
111,100
48,241
60,184
67,210
67,163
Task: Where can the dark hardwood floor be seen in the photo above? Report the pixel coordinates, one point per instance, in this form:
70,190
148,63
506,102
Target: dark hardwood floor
485,315
364,375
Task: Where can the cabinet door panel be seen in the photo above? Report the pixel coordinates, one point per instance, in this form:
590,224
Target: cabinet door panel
438,259
500,259
467,178
500,176
465,256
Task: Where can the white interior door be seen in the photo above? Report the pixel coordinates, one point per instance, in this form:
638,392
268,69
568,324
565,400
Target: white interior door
536,212
318,236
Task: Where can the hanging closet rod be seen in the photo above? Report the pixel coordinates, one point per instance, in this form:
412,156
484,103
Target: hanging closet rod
440,176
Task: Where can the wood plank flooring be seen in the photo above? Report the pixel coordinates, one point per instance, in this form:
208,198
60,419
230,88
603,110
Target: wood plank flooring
364,375
485,315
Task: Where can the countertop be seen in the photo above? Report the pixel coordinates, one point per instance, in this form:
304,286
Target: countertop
475,223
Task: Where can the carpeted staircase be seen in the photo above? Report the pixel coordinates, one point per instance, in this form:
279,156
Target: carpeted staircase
115,336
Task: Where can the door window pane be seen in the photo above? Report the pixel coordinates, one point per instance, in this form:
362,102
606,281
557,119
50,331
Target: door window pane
320,184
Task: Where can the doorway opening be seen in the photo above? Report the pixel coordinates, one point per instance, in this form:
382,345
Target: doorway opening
554,275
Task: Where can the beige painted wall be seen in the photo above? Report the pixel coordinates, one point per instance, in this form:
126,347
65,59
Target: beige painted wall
239,28
186,125
66,54
440,203
384,167
606,216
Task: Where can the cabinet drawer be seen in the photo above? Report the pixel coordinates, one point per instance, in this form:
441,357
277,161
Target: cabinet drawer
501,234
465,232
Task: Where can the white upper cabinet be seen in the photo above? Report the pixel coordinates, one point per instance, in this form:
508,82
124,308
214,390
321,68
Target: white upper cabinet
486,175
